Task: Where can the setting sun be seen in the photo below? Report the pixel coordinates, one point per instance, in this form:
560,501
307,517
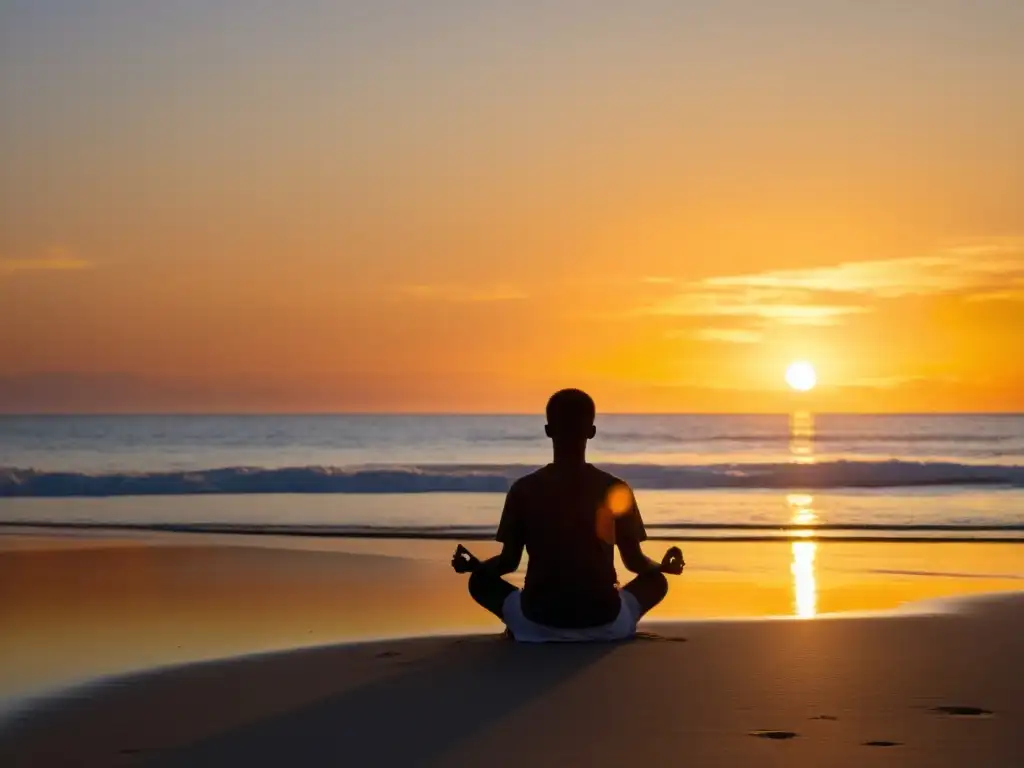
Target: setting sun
800,376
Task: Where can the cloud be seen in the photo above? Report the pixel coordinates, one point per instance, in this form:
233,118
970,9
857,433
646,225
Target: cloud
1005,295
55,260
456,293
901,382
728,335
1011,289
786,307
885,382
991,271
959,269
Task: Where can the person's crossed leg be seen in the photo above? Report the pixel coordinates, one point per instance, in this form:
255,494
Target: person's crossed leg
491,591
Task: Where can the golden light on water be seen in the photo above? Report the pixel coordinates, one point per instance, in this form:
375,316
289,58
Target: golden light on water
801,437
801,513
800,505
805,583
801,376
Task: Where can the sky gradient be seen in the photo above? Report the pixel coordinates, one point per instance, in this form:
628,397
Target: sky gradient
246,205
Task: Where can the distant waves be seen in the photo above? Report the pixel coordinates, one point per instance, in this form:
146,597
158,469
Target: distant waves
490,478
670,531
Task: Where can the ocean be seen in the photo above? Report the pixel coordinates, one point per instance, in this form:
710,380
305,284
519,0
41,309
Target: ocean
860,477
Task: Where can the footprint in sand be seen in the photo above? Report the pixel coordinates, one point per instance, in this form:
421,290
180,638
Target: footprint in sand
960,711
883,744
778,735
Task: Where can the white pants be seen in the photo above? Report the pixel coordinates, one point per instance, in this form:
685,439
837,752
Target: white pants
526,631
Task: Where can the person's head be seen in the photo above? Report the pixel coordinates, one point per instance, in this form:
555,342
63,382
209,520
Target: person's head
570,415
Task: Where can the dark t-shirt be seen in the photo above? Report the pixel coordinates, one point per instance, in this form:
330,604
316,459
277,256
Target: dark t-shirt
569,519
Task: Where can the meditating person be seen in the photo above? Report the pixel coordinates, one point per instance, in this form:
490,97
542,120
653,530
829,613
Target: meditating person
569,516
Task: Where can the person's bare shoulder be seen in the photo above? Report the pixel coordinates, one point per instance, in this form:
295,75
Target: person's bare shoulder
606,479
537,478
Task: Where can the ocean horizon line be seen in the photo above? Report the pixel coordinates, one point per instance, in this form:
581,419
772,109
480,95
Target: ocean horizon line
483,414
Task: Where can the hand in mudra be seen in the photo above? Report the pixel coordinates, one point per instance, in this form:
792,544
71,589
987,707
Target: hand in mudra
673,562
463,560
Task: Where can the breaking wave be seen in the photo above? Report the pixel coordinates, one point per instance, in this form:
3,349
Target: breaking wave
493,478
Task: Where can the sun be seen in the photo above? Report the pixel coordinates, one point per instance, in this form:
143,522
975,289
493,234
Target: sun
800,376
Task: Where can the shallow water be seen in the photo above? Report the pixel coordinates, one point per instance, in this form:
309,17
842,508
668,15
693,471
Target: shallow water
929,514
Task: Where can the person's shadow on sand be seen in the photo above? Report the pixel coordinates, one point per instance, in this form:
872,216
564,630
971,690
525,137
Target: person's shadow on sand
411,717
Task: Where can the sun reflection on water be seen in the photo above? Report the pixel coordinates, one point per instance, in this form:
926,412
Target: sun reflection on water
801,437
801,512
805,583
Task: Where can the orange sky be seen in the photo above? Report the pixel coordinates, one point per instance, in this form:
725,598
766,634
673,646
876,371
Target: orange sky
343,208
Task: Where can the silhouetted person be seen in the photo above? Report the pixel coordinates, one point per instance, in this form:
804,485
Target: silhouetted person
569,516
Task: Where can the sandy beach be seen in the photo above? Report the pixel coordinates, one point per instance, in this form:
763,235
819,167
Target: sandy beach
924,690
933,685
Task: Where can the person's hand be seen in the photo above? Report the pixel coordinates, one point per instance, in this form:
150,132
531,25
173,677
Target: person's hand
463,561
673,562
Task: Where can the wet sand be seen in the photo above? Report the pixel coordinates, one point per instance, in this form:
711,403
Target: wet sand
81,608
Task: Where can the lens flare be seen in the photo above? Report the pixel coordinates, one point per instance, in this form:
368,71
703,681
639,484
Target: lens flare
617,502
619,499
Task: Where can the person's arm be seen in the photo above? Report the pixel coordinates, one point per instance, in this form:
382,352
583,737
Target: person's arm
510,534
629,533
507,561
634,559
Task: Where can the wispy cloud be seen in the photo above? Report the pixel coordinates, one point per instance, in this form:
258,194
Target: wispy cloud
960,269
895,382
1009,294
1010,289
992,271
457,293
782,306
728,335
54,260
